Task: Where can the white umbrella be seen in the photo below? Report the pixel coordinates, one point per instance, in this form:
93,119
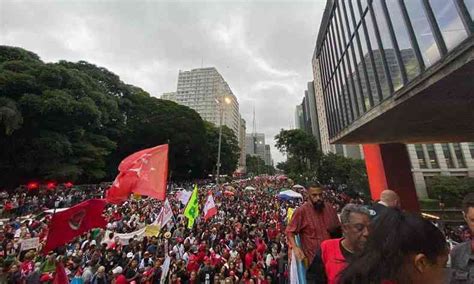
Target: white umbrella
290,194
298,186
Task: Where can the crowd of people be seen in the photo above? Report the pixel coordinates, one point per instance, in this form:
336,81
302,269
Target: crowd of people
249,240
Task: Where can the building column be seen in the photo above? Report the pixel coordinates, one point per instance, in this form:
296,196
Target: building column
388,167
441,159
467,157
453,155
418,176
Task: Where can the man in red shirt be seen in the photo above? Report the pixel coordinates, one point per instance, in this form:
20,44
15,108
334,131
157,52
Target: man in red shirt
119,277
313,222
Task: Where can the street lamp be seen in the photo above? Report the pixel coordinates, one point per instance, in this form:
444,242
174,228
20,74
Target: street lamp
227,100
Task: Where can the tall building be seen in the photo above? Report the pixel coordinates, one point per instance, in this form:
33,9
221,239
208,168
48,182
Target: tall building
299,120
268,156
255,146
242,143
206,91
171,96
392,73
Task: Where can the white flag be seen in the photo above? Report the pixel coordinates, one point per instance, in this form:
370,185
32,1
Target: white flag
210,208
165,268
166,214
184,196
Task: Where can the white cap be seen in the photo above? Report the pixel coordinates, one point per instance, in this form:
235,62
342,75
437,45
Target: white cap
93,243
117,270
129,255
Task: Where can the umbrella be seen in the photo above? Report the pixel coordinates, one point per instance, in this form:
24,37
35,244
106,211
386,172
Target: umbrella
298,186
289,194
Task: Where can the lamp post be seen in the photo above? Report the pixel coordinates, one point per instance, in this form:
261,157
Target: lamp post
221,109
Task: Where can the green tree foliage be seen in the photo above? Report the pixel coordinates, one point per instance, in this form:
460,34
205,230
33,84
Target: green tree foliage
77,121
230,150
256,166
305,162
450,189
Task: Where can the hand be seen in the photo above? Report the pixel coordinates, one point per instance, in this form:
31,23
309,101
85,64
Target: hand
299,253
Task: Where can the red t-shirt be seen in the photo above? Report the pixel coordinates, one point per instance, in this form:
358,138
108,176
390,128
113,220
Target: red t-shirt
248,260
121,279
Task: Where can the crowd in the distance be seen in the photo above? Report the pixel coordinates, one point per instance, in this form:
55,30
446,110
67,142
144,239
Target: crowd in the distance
244,243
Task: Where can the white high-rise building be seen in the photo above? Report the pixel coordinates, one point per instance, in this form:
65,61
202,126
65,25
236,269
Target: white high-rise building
206,91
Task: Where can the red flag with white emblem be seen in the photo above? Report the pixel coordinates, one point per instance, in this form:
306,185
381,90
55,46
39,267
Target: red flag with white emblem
210,208
144,172
68,224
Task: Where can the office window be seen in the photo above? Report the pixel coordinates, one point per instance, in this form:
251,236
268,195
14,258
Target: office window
368,66
459,155
449,22
447,156
420,156
377,55
423,33
392,63
403,39
432,156
470,7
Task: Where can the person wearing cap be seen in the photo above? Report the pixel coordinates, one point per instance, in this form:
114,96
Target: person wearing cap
131,272
87,274
118,277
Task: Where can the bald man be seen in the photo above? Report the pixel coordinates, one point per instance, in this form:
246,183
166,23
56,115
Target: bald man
388,199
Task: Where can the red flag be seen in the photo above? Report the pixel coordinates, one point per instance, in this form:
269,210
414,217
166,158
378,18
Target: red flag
60,276
210,208
144,172
68,224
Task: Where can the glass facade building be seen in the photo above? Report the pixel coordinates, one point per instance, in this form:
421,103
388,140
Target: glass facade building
368,51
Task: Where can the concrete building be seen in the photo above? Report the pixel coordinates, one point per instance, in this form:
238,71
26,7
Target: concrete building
299,120
171,96
391,73
242,144
450,159
255,146
268,156
205,91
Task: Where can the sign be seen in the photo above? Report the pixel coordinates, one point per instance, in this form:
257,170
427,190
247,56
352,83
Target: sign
28,244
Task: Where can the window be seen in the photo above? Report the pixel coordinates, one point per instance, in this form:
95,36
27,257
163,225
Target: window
420,155
459,155
470,7
392,63
368,66
424,36
449,22
379,68
432,156
447,156
403,39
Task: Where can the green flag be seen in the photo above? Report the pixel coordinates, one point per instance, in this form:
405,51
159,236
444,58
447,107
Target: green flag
192,208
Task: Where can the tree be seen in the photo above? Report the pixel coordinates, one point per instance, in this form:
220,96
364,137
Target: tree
450,189
339,170
230,150
77,121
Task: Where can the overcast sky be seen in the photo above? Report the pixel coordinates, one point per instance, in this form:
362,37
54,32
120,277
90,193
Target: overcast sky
263,49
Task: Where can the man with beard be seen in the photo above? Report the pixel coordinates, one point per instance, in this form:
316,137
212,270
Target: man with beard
313,222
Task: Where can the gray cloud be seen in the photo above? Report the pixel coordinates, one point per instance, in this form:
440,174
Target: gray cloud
262,48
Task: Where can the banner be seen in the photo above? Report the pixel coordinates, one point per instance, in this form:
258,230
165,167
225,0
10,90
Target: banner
28,244
165,268
125,238
183,196
152,231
